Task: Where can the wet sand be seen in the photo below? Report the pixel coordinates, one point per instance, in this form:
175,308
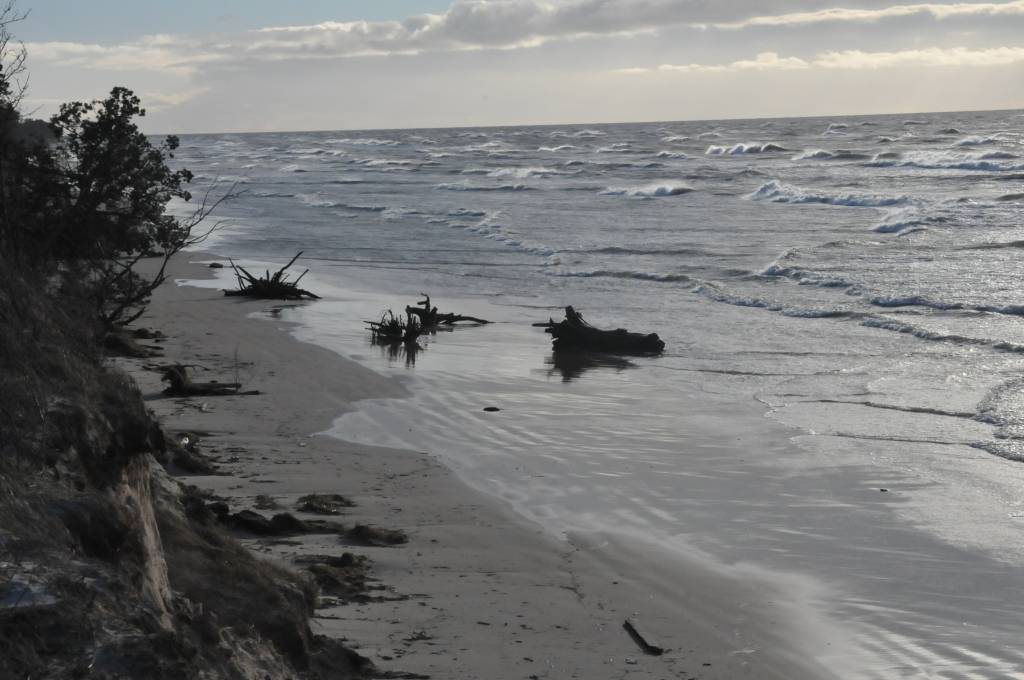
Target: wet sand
478,591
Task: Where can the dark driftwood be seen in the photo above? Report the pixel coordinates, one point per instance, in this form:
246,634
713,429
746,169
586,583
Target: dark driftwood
644,639
182,386
394,329
575,333
429,317
274,286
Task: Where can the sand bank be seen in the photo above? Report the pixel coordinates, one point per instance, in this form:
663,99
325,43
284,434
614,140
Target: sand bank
478,592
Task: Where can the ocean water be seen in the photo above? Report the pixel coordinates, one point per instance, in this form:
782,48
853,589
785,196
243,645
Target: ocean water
842,302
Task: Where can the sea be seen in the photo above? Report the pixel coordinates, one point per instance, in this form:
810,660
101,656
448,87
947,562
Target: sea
841,396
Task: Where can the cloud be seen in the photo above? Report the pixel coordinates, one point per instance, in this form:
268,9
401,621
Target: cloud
161,101
933,10
766,61
851,59
175,55
470,25
957,56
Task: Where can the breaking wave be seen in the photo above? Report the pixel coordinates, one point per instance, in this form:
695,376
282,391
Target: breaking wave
925,334
777,192
740,149
930,160
463,186
823,155
649,191
640,276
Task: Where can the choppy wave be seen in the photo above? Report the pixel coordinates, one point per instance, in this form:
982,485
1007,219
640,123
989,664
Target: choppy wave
363,141
913,301
524,173
739,149
674,139
803,276
640,276
557,149
626,250
679,155
903,220
823,155
272,194
463,186
716,294
315,201
999,156
579,134
884,323
649,190
620,147
778,192
977,140
361,208
464,212
940,160
292,167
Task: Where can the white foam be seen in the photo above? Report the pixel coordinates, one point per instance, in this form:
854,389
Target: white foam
315,201
524,173
363,141
814,154
649,190
620,147
679,155
944,160
778,192
464,186
616,274
557,149
740,149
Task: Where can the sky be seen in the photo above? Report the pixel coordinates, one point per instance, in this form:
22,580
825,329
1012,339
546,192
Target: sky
262,65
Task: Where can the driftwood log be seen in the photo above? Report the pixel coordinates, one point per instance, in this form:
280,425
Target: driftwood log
575,333
181,385
430,318
274,286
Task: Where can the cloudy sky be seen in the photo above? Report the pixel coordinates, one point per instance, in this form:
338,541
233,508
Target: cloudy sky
245,65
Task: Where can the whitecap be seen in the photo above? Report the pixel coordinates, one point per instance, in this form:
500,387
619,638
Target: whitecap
740,149
779,192
649,190
616,274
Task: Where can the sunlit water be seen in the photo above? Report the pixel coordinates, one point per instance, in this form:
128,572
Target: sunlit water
856,281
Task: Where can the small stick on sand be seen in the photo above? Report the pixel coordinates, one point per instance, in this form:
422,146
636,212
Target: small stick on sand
644,639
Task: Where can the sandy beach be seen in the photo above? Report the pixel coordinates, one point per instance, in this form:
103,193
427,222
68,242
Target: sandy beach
478,591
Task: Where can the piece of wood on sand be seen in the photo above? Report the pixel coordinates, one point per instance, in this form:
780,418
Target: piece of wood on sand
430,318
181,385
643,638
575,333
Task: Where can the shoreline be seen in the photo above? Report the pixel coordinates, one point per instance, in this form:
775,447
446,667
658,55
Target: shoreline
481,583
